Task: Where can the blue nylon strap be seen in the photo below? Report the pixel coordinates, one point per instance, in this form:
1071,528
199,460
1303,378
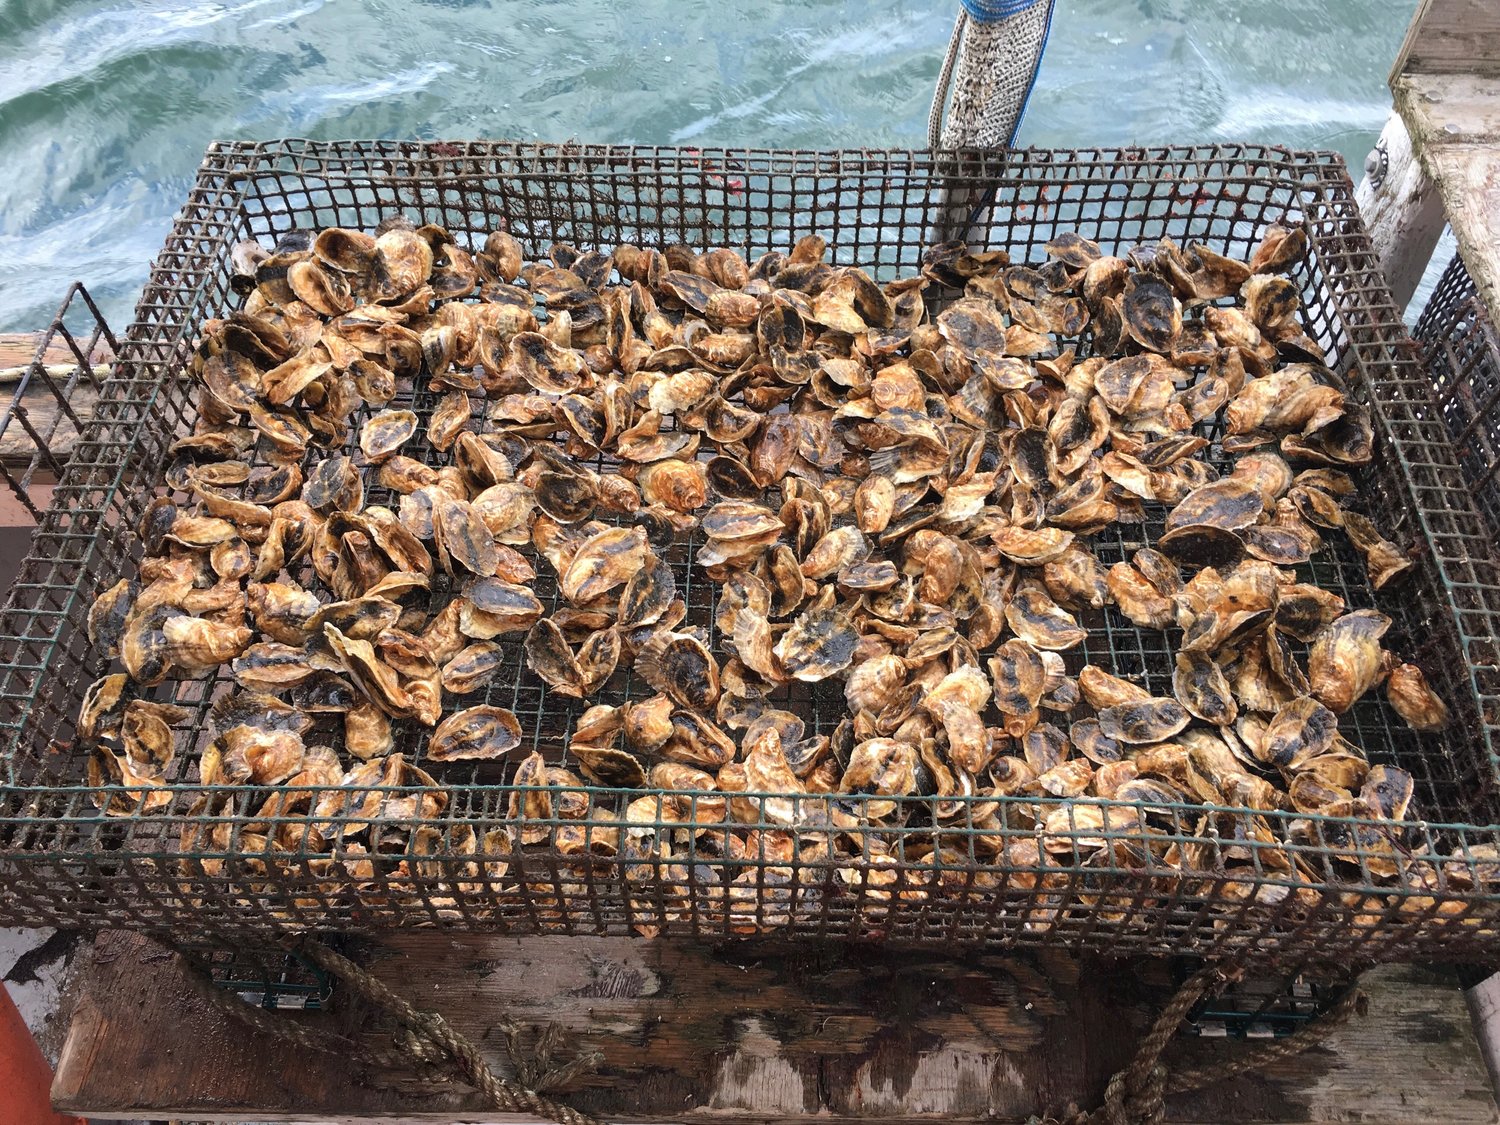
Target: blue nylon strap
1030,86
988,11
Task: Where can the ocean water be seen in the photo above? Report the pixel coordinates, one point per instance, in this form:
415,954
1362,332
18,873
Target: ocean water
106,105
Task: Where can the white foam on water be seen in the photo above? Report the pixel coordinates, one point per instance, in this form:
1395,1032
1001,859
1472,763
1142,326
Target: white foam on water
305,107
883,38
71,49
1260,112
281,19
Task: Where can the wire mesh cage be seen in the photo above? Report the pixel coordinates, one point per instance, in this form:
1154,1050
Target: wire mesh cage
1462,355
52,395
201,862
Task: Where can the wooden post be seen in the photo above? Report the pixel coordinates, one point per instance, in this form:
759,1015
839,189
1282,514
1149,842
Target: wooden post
1402,209
1454,121
1446,89
1450,37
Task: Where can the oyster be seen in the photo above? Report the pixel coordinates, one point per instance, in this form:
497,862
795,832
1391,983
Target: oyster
1019,677
479,732
673,483
1386,562
99,715
464,537
472,667
1143,721
923,514
1041,622
1301,730
1151,314
604,765
648,724
1200,686
820,642
680,665
603,562
491,607
383,435
648,594
1414,700
368,732
108,615
1344,661
550,657
196,645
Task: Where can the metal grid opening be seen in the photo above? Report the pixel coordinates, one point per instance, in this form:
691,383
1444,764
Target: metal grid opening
67,862
1462,356
264,977
48,409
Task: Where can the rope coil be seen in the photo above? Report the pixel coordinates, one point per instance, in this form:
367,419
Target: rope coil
1136,1095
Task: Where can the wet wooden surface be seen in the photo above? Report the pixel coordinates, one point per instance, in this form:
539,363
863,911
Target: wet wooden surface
748,1033
1446,87
1451,37
18,349
1403,212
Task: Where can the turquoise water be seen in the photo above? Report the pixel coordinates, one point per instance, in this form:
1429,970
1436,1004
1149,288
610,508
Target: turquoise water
105,108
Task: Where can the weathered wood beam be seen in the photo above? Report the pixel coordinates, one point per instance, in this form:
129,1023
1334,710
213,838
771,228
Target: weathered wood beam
1484,1008
1402,209
1454,127
18,349
1451,37
17,353
750,1032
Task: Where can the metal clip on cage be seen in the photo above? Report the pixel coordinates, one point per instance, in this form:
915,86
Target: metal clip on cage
194,872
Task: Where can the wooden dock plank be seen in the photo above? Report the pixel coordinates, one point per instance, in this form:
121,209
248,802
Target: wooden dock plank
18,349
145,1043
17,446
1468,178
1449,108
749,1033
1451,37
1452,113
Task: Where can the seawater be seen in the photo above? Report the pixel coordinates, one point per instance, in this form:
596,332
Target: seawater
106,107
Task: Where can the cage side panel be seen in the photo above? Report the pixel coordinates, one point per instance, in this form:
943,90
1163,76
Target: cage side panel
878,209
88,537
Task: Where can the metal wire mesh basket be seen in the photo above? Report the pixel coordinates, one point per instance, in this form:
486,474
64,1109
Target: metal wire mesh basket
1462,355
64,862
53,394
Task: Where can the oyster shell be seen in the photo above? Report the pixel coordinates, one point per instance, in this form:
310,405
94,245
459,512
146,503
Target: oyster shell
1414,700
819,644
1344,661
477,733
383,434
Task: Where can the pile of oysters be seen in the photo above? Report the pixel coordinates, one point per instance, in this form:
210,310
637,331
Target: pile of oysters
421,475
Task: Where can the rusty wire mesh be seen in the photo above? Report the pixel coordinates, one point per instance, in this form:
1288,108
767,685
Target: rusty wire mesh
52,397
64,862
